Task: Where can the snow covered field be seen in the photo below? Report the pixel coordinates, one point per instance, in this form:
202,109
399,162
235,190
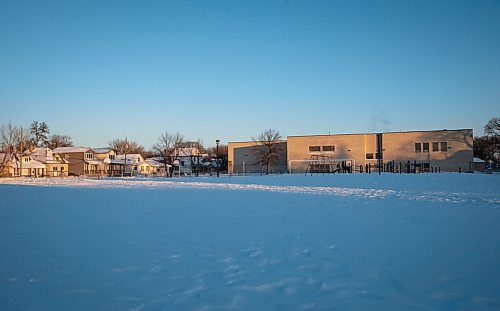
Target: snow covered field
341,242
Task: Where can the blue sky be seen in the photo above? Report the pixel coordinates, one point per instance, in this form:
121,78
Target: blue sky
98,70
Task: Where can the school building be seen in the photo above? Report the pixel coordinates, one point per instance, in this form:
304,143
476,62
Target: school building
415,151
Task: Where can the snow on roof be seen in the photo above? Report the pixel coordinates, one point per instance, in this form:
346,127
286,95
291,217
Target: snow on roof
128,155
187,151
45,155
478,160
102,150
29,164
72,149
153,162
40,151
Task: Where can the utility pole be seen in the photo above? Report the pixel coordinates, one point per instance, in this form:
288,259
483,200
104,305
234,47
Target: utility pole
217,152
21,154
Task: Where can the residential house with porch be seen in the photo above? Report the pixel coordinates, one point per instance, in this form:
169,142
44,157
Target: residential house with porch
107,156
21,165
55,165
134,164
82,160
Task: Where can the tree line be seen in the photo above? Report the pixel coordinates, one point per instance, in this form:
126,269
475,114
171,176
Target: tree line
266,149
487,147
15,139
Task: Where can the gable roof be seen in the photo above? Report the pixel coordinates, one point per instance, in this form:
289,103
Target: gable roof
72,149
103,150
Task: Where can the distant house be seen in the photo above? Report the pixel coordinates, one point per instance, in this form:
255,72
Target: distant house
25,165
159,166
134,164
82,160
107,156
55,165
162,168
187,158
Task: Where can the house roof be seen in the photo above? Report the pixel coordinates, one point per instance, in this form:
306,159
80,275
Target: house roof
72,149
102,150
128,156
187,151
45,155
153,162
30,164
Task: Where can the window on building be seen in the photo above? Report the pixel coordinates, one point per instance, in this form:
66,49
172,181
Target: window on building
435,147
418,147
314,148
444,146
89,156
426,147
329,148
111,156
369,156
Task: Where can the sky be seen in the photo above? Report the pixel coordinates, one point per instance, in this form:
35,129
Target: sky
228,70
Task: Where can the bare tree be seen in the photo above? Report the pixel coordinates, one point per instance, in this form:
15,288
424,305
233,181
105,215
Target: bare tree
486,147
39,133
492,128
9,139
122,146
165,148
267,149
56,141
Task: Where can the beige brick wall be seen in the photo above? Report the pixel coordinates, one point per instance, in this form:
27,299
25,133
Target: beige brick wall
241,159
397,147
400,147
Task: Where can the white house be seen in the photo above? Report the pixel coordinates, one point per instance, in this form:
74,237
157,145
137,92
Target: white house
135,164
24,165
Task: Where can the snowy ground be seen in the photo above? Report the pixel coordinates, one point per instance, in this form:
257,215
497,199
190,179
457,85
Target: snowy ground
342,242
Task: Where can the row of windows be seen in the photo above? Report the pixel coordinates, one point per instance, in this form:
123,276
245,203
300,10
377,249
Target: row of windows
89,156
436,147
369,156
419,147
322,148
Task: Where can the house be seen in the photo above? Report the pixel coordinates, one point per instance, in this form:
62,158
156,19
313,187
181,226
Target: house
82,160
447,150
187,158
21,165
55,165
159,167
106,156
134,164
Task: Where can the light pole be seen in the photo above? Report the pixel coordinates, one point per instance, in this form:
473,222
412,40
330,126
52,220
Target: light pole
125,164
217,156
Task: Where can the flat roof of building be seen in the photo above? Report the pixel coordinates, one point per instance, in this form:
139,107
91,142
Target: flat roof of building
338,134
393,132
251,141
